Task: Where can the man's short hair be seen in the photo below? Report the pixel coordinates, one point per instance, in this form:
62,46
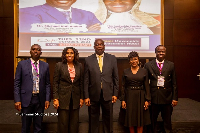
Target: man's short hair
37,45
98,40
159,46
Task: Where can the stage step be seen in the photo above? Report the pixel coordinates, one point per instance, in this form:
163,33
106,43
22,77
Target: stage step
178,127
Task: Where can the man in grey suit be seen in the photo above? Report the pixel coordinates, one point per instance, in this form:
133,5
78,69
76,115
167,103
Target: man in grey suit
164,93
100,87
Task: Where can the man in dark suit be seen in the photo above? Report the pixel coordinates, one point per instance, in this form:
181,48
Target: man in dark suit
100,87
53,12
164,93
32,90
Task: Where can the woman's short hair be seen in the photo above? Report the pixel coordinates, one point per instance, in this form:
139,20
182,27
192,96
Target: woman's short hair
76,54
132,54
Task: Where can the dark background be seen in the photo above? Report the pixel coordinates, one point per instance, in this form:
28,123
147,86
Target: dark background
181,38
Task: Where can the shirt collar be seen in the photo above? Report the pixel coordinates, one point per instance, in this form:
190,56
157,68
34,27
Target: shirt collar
34,61
159,61
62,10
98,55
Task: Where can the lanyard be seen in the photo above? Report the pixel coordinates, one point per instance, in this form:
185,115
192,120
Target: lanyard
35,67
160,67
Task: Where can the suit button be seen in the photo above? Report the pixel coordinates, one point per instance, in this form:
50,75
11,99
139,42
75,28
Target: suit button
164,88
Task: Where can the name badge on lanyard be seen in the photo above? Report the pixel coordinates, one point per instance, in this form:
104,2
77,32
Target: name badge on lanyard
161,80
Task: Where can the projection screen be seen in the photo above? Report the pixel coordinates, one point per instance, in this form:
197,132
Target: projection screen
124,26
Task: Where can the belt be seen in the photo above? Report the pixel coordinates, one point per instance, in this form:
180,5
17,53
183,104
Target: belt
136,88
35,94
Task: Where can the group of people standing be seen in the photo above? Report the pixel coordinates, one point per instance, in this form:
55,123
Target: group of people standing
148,91
145,91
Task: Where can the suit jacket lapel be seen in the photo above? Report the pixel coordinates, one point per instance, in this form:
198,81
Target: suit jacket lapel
41,67
66,72
54,13
29,66
165,66
105,62
155,67
75,16
96,64
76,72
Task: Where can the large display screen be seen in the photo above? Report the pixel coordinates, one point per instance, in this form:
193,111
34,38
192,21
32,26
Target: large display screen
124,25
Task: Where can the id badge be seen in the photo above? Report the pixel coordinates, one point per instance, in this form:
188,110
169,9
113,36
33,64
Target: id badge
160,81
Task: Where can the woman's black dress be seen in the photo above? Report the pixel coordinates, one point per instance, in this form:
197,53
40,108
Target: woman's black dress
135,91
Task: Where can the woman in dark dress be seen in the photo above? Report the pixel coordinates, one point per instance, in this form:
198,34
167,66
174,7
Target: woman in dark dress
135,95
68,90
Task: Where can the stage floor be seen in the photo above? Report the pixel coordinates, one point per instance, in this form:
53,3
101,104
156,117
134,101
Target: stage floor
185,117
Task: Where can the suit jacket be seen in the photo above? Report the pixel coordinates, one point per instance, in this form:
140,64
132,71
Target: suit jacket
162,95
93,78
23,83
48,14
64,88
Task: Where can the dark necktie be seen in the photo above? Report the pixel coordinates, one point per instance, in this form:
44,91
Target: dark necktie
160,67
35,63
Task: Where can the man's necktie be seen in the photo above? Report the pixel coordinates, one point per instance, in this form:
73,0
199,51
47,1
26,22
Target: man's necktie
35,76
100,63
100,66
160,67
35,63
67,14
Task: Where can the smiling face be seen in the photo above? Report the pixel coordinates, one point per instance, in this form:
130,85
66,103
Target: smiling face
63,4
99,46
35,52
160,53
134,61
119,5
70,55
